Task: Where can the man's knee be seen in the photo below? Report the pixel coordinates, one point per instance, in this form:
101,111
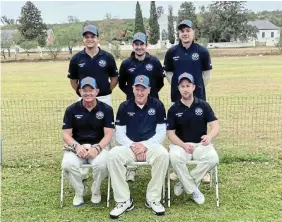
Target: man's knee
114,153
175,153
160,151
68,164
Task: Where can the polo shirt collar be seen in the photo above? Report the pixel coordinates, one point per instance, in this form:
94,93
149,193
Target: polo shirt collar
101,52
182,47
145,105
195,102
82,106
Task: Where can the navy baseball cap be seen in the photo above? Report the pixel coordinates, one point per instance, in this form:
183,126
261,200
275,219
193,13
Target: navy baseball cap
185,23
88,81
140,36
142,80
186,75
90,28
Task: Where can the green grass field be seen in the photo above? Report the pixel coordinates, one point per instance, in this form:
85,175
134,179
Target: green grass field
246,94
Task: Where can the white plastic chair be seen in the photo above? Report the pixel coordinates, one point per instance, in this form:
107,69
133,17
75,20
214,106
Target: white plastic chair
215,169
131,165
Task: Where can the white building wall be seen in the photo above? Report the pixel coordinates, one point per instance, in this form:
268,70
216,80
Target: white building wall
266,37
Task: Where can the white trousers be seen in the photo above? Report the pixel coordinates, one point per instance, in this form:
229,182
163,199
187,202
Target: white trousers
120,156
71,163
179,158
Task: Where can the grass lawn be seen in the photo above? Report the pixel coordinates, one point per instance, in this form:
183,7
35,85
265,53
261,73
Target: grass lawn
246,94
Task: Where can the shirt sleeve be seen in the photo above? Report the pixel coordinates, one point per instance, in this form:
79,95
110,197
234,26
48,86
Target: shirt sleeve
109,117
68,120
159,75
73,68
113,70
170,120
122,78
206,60
168,61
209,114
161,115
121,116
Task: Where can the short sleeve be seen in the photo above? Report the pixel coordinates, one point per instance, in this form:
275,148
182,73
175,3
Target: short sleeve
109,117
170,120
68,120
121,116
206,60
113,70
209,114
159,75
73,68
161,115
168,61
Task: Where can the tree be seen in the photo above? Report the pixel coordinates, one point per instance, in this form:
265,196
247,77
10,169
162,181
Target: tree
160,11
154,25
6,42
72,19
31,26
108,16
27,45
139,25
69,36
54,48
279,44
226,21
187,11
6,21
171,36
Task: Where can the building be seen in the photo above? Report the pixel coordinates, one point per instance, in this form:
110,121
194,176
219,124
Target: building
269,34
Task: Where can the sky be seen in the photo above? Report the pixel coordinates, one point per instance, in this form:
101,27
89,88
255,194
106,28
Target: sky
58,11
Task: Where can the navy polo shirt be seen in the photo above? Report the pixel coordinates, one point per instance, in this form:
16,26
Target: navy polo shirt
193,60
100,67
190,124
141,123
132,67
88,127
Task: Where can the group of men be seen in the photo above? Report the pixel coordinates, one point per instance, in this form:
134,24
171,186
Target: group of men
141,123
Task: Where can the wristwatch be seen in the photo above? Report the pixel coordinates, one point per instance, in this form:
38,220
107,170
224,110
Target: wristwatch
74,144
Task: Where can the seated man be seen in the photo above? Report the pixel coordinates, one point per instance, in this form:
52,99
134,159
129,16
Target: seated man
187,130
88,129
140,130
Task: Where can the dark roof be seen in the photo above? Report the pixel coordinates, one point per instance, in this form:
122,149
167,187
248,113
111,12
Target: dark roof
263,25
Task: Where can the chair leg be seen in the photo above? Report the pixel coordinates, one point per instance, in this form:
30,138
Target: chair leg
109,190
168,187
216,186
62,188
164,191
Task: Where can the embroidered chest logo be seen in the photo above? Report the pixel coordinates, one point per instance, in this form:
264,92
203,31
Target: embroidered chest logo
131,69
131,113
195,56
198,111
151,111
179,114
149,67
78,116
81,64
102,63
99,115
175,58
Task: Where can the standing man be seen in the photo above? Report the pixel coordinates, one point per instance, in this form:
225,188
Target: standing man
140,62
189,57
140,130
88,129
94,62
187,121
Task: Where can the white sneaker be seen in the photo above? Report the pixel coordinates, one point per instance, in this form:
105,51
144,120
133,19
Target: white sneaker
156,206
198,197
207,178
121,208
130,175
96,199
173,176
77,201
178,189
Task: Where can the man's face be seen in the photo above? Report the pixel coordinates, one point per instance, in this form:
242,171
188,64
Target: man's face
186,89
90,40
186,35
88,93
139,48
141,94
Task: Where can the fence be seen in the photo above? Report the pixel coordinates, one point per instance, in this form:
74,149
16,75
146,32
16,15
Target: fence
32,135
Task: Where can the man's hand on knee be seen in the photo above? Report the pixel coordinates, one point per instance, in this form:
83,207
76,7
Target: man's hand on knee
80,151
138,148
189,148
141,157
